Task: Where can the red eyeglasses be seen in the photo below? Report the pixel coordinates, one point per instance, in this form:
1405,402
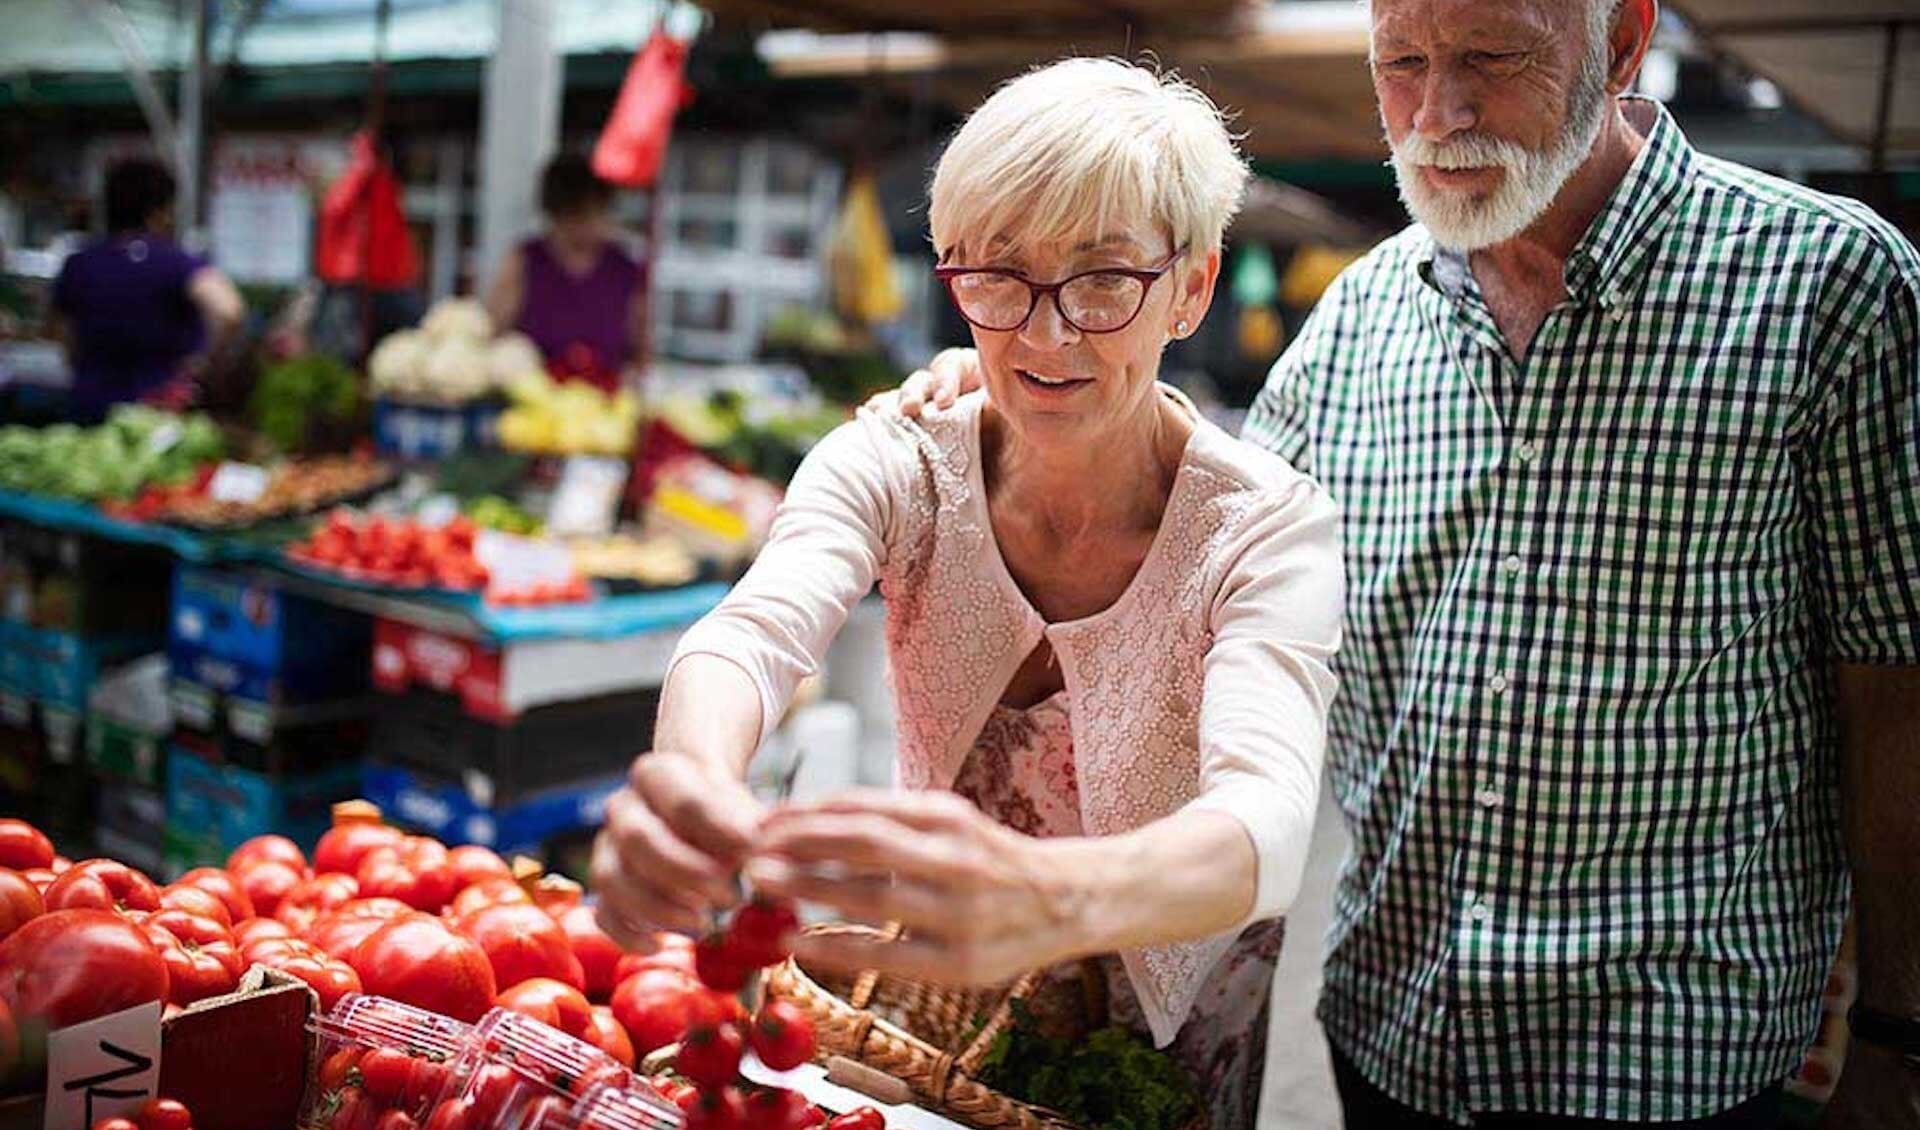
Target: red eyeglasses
1094,302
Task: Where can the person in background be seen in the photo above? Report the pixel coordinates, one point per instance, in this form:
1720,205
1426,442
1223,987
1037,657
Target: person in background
140,315
573,290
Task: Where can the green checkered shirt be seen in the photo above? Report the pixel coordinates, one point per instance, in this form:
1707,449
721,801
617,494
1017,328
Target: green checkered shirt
1585,739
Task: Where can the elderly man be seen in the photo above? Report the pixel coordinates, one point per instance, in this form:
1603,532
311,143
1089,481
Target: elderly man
1627,441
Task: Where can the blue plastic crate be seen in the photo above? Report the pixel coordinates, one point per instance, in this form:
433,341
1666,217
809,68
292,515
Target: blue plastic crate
419,432
247,637
444,810
235,804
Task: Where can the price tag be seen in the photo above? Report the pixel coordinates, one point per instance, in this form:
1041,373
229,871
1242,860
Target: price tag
241,483
588,497
438,510
164,437
102,1068
516,564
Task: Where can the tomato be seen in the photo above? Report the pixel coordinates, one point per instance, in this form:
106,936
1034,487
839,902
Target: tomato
165,1114
41,878
67,966
102,884
521,942
396,1120
420,962
556,894
782,1035
859,1118
453,1114
472,863
20,901
310,898
759,932
201,959
719,966
550,1002
10,1043
384,1072
722,1109
259,930
264,849
340,930
338,1068
348,1109
487,892
193,900
492,1090
268,882
328,977
416,870
780,1109
352,836
605,1033
598,954
657,1006
710,1054
671,951
60,865
222,886
116,1123
427,1080
23,846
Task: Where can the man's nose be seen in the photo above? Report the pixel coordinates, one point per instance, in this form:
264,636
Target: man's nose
1447,105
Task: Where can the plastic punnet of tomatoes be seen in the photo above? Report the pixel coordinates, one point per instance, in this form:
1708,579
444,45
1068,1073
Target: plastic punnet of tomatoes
518,1070
636,1106
373,1056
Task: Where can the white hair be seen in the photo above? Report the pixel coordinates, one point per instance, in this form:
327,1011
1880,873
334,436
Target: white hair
1070,148
1534,177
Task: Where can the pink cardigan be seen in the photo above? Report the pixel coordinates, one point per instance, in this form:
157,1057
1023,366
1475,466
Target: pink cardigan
1205,684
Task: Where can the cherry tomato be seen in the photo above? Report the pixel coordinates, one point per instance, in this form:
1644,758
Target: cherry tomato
710,1055
719,966
782,1035
264,849
102,884
23,846
336,1071
69,966
384,1072
20,901
780,1109
453,1114
117,1122
553,1003
759,932
416,870
165,1114
396,1120
521,942
419,961
722,1109
859,1118
222,886
267,882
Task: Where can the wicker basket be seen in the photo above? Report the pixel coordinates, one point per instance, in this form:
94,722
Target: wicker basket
924,1034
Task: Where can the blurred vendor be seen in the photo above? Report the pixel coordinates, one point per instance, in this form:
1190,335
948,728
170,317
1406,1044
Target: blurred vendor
139,313
573,290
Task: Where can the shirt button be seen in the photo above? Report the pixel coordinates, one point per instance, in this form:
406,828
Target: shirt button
1479,913
1513,565
1526,452
1487,798
1497,684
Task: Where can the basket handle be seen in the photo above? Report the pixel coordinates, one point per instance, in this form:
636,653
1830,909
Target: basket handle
863,985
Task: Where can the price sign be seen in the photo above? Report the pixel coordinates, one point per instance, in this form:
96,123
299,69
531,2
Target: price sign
240,483
102,1068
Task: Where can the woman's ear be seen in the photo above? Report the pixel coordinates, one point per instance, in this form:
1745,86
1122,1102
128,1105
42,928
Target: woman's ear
1195,292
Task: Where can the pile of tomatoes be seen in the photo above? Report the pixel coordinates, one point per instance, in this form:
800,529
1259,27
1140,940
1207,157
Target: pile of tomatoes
394,551
154,1114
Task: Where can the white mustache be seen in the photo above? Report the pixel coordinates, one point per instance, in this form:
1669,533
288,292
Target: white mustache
1467,151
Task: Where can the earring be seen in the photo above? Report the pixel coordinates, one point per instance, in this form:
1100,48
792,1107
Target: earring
1180,328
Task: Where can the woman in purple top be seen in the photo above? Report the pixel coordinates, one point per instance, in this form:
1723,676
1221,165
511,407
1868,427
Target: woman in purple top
573,290
135,308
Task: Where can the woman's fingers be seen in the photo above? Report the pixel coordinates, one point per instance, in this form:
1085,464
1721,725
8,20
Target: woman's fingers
874,899
650,851
627,906
865,842
715,814
921,958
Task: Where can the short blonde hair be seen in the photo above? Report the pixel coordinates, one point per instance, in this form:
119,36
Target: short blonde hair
1068,148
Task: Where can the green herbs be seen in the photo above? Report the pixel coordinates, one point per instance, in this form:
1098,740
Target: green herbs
1114,1080
297,391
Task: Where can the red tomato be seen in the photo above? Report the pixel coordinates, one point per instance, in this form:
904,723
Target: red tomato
453,1114
328,977
671,951
759,932
488,892
395,1120
41,878
338,1067
338,931
782,1035
556,894
710,1054
416,870
259,930
599,955
781,1109
68,966
384,1072
267,882
657,1006
520,942
20,901
23,846
200,956
310,898
193,900
493,1090
859,1118
723,1109
10,1043
348,1109
222,886
262,849
60,865
421,962
472,863
116,1123
719,966
165,1114
102,884
605,1033
552,1003
344,845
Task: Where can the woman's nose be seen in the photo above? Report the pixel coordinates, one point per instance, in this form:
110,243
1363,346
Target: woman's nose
1046,327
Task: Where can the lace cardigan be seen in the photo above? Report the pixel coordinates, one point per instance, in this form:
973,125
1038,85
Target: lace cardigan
1206,684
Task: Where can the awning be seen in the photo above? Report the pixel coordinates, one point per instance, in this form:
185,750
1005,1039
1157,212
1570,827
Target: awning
1852,64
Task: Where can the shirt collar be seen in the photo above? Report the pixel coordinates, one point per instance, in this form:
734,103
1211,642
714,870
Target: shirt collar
1616,244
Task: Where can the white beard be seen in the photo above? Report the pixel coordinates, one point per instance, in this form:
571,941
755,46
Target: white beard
1465,222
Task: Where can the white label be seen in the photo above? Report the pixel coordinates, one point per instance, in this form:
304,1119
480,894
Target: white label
102,1068
438,510
588,497
241,483
164,437
517,564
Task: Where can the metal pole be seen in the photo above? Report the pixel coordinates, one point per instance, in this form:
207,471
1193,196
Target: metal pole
191,216
376,123
1883,118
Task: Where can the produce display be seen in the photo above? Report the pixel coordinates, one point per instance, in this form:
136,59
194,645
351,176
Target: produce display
452,358
399,553
137,446
295,487
546,418
655,562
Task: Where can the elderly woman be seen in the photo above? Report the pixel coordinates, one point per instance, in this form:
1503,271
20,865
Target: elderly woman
1109,622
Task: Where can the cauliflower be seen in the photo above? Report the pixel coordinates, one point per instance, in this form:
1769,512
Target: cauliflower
511,357
456,371
398,362
457,319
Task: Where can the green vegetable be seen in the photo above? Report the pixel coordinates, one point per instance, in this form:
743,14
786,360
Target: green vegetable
1113,1080
496,513
135,448
299,390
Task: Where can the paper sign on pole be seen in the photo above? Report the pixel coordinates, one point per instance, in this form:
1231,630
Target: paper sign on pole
102,1068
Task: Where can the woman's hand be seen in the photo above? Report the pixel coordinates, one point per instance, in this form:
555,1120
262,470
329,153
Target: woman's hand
950,375
674,840
981,904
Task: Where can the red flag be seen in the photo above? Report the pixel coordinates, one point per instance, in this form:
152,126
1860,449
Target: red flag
363,231
634,142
